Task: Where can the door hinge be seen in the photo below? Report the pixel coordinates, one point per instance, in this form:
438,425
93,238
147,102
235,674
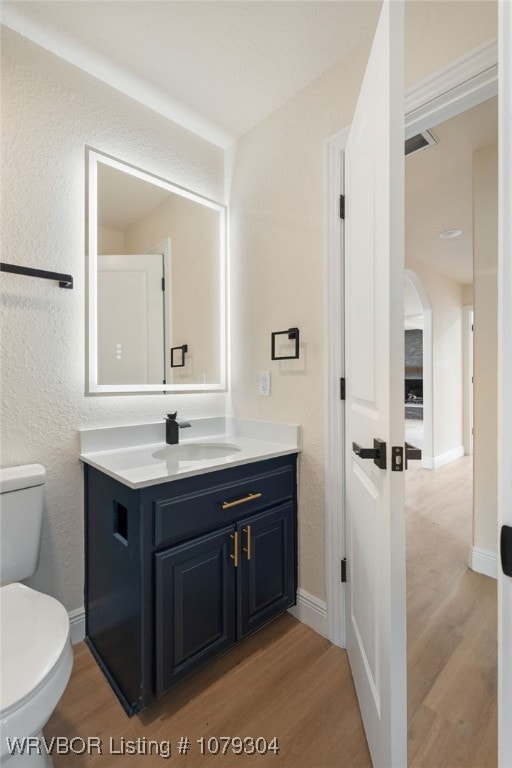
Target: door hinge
342,206
344,570
342,389
163,283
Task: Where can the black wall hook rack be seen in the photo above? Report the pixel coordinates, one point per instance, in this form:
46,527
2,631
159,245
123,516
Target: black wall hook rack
65,281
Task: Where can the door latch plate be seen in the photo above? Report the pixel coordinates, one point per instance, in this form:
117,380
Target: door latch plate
397,458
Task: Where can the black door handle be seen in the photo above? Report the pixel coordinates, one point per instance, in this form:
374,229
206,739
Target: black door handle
377,453
506,549
411,453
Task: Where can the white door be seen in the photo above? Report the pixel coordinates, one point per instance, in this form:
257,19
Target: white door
130,319
504,379
374,369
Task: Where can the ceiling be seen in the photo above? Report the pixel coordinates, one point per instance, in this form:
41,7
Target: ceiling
439,191
218,68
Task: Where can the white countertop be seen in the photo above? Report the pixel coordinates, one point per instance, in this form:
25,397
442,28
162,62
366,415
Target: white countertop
127,453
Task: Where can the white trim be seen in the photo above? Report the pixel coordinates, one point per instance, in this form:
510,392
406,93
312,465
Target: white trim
504,376
467,368
77,625
463,84
483,561
434,462
335,368
312,611
466,82
164,249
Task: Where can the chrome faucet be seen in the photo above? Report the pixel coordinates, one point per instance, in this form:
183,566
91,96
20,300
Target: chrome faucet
172,428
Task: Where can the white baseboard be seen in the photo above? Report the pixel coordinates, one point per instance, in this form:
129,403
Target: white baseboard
434,462
483,561
311,611
77,625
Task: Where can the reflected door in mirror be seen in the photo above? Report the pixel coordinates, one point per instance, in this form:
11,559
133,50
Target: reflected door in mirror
131,339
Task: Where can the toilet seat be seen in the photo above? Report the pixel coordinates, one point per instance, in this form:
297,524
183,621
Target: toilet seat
35,645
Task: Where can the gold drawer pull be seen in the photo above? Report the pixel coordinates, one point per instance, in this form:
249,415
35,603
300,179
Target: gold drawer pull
250,497
247,549
234,556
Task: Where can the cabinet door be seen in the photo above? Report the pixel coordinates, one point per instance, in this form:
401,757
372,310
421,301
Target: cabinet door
195,605
266,576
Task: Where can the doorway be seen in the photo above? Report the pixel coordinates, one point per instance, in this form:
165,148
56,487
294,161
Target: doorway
434,101
451,609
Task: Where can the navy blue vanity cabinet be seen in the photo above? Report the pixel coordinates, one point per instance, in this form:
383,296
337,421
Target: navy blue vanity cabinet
195,605
266,579
177,573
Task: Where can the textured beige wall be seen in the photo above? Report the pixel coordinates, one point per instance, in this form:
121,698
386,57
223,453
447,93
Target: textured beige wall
485,360
439,31
50,110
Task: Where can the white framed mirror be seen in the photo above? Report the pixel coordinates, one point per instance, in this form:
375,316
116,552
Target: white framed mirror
156,283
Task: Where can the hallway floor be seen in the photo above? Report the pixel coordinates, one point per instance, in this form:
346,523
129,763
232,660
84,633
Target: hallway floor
451,611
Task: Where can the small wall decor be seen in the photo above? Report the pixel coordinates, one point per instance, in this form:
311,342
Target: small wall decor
293,334
178,356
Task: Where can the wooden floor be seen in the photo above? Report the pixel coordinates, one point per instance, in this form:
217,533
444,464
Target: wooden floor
284,681
287,681
451,626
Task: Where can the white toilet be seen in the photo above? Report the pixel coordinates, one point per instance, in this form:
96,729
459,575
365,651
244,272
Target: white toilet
36,651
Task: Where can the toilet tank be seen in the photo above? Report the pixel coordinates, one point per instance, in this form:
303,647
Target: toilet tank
21,517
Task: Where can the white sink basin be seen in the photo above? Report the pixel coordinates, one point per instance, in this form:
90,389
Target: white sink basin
195,451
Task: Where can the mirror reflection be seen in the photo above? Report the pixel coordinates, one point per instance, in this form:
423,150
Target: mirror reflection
156,283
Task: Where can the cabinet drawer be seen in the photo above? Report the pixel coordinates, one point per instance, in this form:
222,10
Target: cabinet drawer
195,512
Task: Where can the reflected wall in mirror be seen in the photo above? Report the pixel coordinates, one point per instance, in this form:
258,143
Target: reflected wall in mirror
156,280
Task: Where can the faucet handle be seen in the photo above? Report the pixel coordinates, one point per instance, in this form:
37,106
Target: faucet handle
172,415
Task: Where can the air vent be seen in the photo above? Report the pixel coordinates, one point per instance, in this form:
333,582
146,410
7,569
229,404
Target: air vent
420,141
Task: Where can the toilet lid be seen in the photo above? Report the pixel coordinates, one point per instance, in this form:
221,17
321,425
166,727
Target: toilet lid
34,632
